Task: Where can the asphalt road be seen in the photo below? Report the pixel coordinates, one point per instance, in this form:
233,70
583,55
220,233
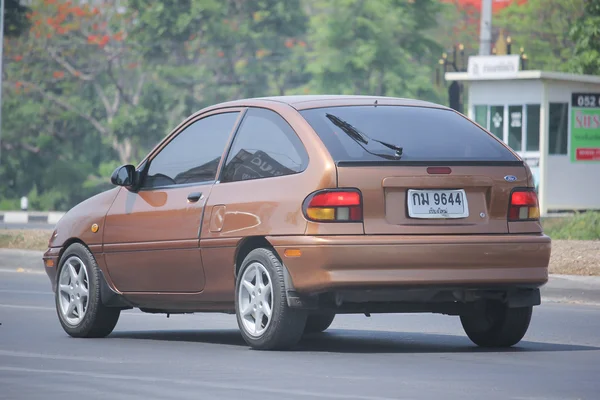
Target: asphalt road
203,356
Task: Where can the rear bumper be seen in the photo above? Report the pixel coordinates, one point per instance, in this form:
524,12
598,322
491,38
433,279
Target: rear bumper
355,262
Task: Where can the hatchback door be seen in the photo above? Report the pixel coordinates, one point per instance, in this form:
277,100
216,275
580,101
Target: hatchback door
421,170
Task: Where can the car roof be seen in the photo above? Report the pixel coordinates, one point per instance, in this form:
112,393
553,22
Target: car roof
303,102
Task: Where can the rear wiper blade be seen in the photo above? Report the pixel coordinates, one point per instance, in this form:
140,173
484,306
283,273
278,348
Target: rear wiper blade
361,138
348,129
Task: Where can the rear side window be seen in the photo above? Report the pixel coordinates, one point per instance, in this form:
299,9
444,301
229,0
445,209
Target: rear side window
265,146
382,133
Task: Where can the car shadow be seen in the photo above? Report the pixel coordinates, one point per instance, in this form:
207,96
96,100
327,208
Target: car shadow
356,341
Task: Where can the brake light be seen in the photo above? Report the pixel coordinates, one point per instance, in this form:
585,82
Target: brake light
523,205
334,206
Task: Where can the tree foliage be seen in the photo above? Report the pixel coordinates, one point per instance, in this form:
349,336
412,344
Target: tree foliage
586,36
373,47
542,30
91,85
15,21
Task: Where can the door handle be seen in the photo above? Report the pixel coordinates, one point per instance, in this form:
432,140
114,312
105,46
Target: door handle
194,197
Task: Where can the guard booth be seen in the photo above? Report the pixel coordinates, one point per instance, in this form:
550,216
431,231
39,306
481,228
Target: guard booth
550,119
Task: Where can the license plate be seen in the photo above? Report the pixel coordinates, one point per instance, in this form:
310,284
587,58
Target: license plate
437,204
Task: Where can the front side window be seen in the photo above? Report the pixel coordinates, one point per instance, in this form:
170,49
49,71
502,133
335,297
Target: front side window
264,146
194,154
399,133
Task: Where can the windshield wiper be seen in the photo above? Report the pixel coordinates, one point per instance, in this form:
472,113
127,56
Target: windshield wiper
363,139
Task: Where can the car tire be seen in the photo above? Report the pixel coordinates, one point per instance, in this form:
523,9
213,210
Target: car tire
318,322
77,298
496,325
263,315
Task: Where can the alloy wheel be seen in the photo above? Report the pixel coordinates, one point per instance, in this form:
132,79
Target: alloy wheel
255,299
73,290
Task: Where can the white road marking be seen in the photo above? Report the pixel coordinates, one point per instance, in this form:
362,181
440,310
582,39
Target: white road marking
194,382
27,307
23,354
49,293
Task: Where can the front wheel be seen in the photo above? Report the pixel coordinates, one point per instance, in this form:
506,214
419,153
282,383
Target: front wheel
78,305
496,325
264,317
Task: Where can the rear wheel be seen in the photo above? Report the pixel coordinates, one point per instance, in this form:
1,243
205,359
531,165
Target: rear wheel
496,325
318,322
265,320
78,305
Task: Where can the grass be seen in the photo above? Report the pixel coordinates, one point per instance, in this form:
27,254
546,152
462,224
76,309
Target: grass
581,226
26,239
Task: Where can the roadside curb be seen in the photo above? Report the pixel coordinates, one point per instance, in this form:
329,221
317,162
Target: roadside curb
25,217
572,289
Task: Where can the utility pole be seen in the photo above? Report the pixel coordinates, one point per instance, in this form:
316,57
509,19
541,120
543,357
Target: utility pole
1,65
485,29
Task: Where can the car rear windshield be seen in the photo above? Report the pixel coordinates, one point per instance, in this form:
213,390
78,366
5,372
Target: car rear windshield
402,133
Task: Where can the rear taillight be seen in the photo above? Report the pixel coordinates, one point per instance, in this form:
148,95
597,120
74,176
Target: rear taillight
523,205
336,205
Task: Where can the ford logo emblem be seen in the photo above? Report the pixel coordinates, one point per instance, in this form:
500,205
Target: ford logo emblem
510,178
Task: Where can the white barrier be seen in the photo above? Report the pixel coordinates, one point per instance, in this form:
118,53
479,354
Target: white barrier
54,217
16,217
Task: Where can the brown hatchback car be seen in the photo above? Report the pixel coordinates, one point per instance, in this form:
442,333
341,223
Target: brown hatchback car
289,210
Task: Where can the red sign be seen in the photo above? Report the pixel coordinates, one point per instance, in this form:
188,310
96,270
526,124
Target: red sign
588,154
497,5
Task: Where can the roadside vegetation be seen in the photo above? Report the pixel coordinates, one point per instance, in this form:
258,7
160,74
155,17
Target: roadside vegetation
581,226
25,239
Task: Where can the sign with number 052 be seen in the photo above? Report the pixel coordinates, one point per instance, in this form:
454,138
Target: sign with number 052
585,127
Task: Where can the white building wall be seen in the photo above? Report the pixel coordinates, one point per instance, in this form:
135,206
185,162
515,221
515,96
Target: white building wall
504,92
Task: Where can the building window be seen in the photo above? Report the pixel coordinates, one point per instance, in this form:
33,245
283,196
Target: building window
515,127
497,121
558,125
481,115
533,127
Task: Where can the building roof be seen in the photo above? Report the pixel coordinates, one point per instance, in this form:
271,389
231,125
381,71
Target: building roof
544,75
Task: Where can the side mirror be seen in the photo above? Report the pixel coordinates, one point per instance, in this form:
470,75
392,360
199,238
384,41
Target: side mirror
123,176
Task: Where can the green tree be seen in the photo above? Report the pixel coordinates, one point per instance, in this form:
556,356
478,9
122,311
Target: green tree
542,30
73,84
586,36
211,51
374,47
15,20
